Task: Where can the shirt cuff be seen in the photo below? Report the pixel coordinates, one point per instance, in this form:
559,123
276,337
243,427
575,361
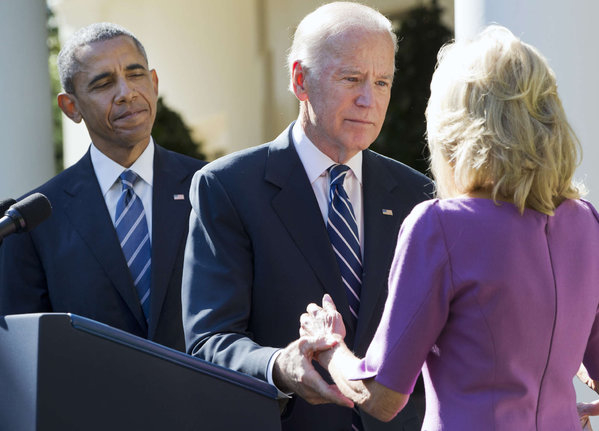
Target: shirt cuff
271,364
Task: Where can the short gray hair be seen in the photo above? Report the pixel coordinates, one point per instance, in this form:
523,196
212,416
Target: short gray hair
328,21
67,62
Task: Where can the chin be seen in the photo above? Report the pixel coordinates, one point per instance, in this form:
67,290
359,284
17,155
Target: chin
364,145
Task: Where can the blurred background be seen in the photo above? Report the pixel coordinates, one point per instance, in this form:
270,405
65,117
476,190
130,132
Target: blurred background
223,77
222,68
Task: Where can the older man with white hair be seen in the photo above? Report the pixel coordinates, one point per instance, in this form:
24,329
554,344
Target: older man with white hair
314,211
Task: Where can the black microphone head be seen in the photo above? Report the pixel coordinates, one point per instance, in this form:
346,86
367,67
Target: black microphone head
6,204
33,210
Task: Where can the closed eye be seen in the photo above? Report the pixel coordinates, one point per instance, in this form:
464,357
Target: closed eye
100,85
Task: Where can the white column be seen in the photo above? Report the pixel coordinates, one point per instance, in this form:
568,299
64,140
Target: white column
565,32
27,155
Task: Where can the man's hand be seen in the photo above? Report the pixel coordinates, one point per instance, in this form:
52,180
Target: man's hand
293,372
322,323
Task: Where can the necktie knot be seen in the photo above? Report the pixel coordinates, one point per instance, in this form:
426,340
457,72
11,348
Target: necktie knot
337,174
128,179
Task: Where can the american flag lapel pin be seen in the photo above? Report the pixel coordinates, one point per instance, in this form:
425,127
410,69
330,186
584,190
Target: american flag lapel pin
387,212
179,197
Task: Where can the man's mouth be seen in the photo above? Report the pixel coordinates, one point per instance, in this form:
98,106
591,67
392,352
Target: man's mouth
129,115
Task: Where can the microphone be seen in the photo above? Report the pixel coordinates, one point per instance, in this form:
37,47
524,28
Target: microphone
5,204
25,215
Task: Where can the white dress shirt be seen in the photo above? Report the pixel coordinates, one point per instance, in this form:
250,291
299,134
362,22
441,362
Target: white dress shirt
316,164
108,172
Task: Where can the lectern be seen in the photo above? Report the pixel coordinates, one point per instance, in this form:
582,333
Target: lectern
65,372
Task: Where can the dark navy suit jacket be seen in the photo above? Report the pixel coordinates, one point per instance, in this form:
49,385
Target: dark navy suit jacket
73,262
258,252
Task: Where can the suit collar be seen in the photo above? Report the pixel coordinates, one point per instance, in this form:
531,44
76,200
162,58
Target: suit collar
315,162
384,210
107,170
86,210
296,206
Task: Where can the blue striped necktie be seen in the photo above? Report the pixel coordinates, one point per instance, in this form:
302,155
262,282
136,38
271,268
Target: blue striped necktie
345,239
132,230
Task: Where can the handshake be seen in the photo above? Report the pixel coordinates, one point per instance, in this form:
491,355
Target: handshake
321,335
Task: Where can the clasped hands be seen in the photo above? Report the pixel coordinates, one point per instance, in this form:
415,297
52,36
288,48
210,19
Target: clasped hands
321,331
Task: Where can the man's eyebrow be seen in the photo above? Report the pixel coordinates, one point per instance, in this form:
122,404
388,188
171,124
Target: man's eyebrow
349,71
97,78
135,66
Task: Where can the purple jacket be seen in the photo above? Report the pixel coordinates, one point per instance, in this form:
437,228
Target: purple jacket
501,309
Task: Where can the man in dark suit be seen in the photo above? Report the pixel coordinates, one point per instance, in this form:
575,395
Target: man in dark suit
260,247
74,261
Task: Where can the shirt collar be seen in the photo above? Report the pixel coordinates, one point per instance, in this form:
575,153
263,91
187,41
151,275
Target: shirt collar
315,161
108,171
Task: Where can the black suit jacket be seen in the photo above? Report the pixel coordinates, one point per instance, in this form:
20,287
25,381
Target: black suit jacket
73,262
258,252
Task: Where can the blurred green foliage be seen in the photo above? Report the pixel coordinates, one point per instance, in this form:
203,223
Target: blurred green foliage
420,33
171,132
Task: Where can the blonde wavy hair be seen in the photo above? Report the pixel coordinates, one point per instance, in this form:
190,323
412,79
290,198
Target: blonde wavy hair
496,123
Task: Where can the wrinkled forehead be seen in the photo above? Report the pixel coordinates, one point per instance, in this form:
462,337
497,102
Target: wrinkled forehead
86,55
359,42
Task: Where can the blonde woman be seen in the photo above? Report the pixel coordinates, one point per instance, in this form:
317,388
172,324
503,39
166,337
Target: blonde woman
494,287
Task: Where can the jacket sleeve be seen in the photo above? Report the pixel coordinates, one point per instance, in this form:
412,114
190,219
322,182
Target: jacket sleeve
217,282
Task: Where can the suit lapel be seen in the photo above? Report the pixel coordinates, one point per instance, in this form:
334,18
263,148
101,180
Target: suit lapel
383,213
296,206
170,201
86,210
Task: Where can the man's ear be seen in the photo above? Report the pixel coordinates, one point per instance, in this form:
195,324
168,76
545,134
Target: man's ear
298,80
154,80
68,105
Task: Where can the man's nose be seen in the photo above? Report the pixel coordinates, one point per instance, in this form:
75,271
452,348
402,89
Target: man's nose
365,95
125,91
